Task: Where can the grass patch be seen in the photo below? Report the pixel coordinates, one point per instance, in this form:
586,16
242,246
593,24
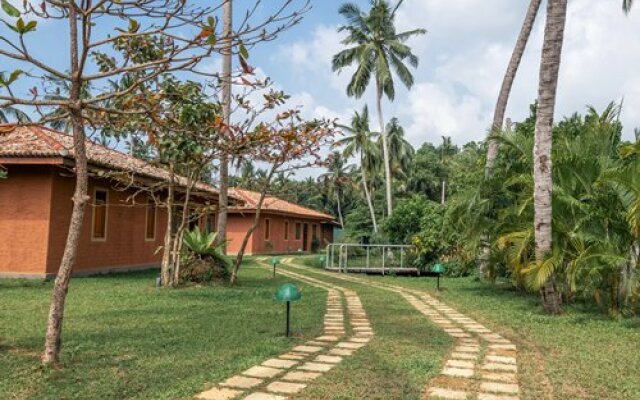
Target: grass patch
123,338
404,354
579,355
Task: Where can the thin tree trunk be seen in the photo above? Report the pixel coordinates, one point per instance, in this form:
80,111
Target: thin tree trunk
53,337
367,195
165,267
443,193
177,241
227,32
507,82
499,113
256,220
385,151
340,211
542,170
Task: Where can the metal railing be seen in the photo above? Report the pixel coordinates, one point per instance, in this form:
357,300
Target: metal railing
380,258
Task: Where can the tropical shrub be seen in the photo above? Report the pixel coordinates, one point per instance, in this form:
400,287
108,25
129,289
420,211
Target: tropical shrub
406,219
203,260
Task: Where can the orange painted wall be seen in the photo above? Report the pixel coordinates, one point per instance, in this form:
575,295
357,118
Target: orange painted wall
125,245
24,219
238,224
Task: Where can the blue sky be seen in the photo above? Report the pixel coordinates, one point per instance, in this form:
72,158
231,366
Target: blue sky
462,60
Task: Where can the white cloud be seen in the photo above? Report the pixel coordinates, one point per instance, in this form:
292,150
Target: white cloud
463,59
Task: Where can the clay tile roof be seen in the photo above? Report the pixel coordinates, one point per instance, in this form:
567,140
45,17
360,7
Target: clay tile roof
41,142
274,204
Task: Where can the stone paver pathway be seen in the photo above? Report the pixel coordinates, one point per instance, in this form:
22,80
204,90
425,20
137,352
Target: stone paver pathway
482,365
282,377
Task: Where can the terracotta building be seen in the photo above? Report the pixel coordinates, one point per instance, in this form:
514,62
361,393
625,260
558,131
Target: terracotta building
284,227
123,227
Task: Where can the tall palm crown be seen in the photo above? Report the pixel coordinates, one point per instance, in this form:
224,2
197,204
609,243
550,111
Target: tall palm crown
359,140
376,48
400,150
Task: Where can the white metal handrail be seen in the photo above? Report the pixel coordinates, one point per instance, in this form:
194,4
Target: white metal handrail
373,257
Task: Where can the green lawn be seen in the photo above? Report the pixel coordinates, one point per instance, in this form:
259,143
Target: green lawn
579,355
125,339
404,354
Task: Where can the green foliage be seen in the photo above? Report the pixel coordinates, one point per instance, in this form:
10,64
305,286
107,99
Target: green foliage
10,9
203,261
406,220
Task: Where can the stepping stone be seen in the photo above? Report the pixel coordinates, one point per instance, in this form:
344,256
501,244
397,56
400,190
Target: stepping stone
307,349
488,396
262,372
458,372
219,394
449,394
293,356
264,396
495,387
454,330
329,359
502,346
341,352
460,335
349,345
316,367
499,376
242,382
360,340
276,363
500,367
301,376
459,364
466,349
464,356
285,387
327,338
501,359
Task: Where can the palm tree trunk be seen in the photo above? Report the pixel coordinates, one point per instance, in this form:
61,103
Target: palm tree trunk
542,169
507,82
385,151
53,336
223,198
367,195
339,210
499,113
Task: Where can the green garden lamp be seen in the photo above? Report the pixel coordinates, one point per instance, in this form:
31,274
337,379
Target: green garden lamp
322,260
438,269
274,261
286,294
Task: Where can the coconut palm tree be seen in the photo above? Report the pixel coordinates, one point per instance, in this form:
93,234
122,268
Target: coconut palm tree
543,183
447,149
360,141
400,150
336,178
507,81
376,48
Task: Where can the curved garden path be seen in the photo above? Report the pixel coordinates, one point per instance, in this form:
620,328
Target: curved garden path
282,377
482,365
